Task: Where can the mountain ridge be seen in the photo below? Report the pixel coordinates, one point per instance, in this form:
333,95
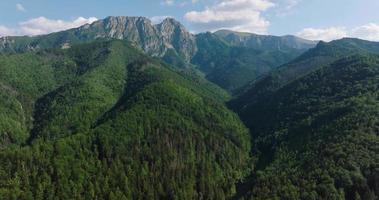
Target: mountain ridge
115,26
154,39
270,42
126,109
323,54
174,44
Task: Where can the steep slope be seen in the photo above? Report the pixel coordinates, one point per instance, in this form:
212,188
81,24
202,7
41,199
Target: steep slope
323,54
27,77
155,40
232,66
13,125
318,136
23,79
123,126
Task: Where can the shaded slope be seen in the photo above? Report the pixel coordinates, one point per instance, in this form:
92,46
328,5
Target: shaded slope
323,54
318,136
75,105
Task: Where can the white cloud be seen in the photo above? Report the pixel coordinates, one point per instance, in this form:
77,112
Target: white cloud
158,19
289,4
239,15
178,2
168,2
43,25
20,7
326,34
285,7
5,31
367,32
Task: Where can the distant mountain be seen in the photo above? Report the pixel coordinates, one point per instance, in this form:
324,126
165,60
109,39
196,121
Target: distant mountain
104,121
317,137
231,65
265,42
242,58
323,54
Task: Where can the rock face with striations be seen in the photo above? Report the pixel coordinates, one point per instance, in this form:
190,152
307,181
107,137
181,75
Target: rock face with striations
154,39
175,35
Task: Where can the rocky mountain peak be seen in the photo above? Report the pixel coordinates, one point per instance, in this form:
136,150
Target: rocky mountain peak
170,22
176,36
155,40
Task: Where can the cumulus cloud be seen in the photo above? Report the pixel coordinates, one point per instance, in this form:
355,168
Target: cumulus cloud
43,25
326,34
20,7
5,31
239,15
368,32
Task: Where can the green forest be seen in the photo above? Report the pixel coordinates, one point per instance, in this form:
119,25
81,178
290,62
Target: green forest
317,137
237,116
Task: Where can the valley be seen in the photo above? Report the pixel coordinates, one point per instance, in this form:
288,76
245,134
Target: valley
126,109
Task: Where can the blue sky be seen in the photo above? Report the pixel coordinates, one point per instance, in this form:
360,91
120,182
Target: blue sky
312,19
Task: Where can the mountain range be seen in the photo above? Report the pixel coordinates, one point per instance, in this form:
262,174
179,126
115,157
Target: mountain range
171,41
126,109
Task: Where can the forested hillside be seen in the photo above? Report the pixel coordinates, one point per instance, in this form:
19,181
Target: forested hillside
323,54
127,109
115,124
317,137
224,61
231,66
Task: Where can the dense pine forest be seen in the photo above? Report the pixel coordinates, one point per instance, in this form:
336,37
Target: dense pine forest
317,137
116,125
115,111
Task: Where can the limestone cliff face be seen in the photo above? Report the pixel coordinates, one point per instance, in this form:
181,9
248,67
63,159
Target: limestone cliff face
174,35
154,39
138,30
